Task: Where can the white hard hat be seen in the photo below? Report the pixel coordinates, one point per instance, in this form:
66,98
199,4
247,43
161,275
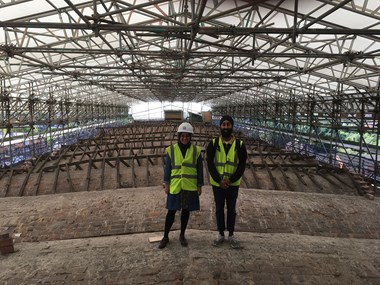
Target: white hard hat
185,128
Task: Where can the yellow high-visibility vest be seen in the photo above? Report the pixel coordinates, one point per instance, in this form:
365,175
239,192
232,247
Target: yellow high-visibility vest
226,165
184,169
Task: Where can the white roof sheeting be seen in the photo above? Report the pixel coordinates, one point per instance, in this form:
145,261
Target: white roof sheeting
219,52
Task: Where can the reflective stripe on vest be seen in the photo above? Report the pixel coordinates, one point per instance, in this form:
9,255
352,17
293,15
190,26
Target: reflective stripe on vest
184,169
226,164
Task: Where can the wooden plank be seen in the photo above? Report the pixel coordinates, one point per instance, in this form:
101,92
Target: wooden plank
35,163
245,181
69,180
328,179
25,182
37,184
311,177
254,174
109,163
286,177
206,168
88,176
149,159
26,179
57,169
87,147
162,156
8,184
155,239
163,160
56,174
122,160
133,173
355,178
103,170
294,171
339,179
77,165
147,172
46,159
272,178
118,178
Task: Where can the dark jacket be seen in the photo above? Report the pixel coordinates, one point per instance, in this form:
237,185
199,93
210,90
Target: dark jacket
242,155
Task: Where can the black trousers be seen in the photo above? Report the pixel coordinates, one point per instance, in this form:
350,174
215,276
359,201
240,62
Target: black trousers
225,197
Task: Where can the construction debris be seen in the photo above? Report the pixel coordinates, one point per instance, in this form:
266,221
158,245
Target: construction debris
6,243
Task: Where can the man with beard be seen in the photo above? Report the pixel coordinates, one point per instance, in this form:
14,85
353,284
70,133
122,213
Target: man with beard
226,161
183,181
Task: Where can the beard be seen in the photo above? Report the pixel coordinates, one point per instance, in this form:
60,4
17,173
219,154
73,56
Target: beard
226,133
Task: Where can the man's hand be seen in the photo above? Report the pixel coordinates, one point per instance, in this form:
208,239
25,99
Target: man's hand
225,183
199,191
166,188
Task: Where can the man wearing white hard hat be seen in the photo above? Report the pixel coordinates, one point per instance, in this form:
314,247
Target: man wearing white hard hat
183,181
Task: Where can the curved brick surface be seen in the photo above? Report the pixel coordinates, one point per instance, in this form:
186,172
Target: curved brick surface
102,238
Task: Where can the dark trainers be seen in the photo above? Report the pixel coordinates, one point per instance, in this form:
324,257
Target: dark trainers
234,243
219,240
163,243
182,240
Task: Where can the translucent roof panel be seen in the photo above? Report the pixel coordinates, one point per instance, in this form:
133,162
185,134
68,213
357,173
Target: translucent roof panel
218,52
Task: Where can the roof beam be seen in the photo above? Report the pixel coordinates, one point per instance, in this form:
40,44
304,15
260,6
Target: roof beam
167,30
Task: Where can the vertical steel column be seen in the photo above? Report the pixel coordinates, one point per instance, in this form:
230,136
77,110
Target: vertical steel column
50,104
335,124
292,117
6,121
31,120
312,122
362,115
377,121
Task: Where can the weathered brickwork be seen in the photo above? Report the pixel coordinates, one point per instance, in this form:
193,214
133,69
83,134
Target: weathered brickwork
102,238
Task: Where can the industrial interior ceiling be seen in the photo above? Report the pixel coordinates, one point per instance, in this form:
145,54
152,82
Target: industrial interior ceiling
277,65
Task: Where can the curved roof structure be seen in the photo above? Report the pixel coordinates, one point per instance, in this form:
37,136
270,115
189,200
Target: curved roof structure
217,52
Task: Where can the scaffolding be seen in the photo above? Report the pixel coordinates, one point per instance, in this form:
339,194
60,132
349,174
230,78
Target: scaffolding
295,73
